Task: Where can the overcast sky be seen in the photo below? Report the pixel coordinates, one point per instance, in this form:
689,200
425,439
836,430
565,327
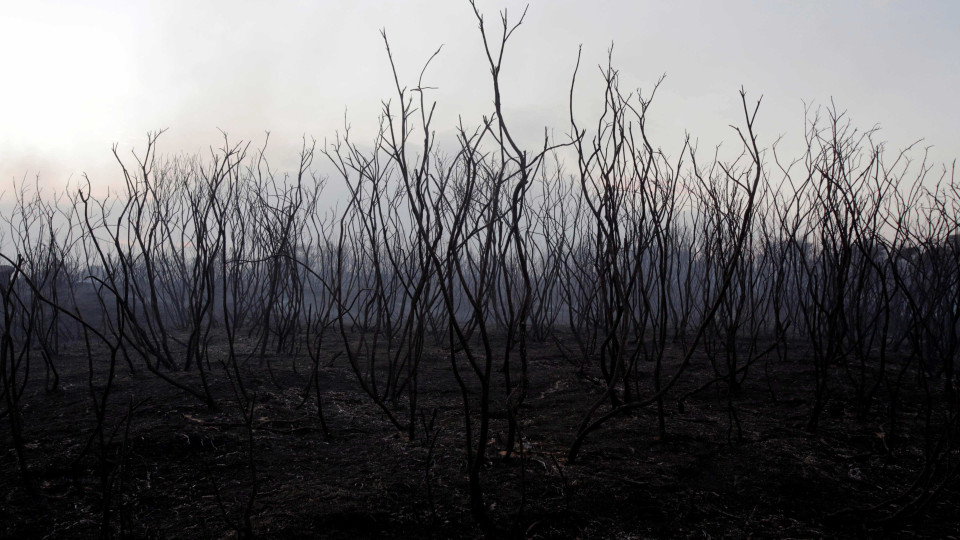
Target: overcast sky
80,76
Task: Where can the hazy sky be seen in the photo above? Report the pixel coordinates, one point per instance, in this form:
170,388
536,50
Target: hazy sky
80,76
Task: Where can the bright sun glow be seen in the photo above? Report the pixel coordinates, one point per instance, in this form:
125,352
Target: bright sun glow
63,77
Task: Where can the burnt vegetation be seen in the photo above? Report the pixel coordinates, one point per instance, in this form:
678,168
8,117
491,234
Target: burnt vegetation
584,338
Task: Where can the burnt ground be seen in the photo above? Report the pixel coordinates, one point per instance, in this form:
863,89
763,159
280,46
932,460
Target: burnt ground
184,469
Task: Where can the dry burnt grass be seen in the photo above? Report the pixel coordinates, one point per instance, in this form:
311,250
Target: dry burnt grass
185,466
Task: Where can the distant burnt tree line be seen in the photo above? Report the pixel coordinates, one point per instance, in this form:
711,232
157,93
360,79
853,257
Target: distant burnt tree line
846,257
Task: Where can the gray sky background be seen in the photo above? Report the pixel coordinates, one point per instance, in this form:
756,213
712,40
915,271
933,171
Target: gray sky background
80,76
